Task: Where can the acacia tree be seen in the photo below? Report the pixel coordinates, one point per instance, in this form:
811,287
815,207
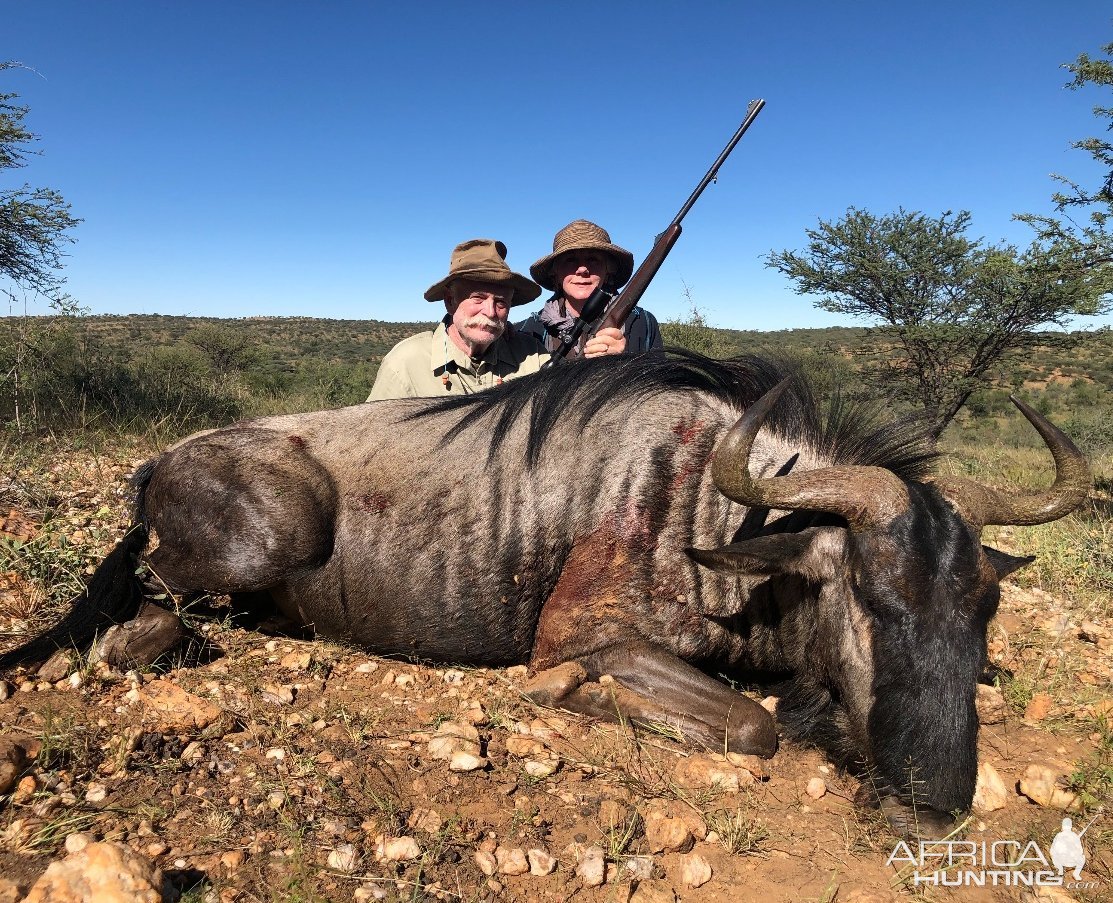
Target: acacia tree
1085,214
33,221
948,306
36,359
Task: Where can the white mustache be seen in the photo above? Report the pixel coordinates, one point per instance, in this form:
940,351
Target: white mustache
488,322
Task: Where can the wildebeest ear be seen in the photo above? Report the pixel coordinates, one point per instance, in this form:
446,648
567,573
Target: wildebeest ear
1004,563
778,553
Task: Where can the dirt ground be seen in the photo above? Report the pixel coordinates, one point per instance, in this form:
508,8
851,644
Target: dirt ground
288,769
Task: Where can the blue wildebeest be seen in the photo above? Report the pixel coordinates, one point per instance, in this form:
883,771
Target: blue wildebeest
612,517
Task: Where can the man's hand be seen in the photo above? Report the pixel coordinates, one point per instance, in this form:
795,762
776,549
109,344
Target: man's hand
605,341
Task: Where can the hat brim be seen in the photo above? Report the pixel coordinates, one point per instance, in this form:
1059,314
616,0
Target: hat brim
524,290
542,271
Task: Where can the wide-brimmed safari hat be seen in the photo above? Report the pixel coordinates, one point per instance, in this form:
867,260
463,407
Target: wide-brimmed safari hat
484,260
583,235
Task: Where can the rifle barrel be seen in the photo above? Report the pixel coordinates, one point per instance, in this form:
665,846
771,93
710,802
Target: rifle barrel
751,114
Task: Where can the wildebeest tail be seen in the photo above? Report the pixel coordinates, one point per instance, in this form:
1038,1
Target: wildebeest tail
112,596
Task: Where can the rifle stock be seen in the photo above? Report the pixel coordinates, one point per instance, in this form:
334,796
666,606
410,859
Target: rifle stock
621,305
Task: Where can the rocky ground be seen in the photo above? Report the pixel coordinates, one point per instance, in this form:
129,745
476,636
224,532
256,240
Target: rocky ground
286,769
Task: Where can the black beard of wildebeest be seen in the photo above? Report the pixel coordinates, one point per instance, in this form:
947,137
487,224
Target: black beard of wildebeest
648,517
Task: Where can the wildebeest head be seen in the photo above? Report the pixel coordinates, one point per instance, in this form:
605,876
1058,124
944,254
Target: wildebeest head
887,663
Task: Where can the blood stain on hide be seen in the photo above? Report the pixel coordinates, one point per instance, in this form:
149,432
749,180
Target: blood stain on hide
586,610
376,502
686,430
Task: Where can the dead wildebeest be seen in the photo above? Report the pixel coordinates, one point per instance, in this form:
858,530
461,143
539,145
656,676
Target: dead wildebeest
609,517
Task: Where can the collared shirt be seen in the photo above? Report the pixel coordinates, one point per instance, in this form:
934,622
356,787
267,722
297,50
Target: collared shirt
431,364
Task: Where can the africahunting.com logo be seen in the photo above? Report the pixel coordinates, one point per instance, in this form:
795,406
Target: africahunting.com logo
996,863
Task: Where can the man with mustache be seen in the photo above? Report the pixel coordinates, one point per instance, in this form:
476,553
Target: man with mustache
474,347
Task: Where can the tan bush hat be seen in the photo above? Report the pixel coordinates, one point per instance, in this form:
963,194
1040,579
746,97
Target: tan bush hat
484,260
582,235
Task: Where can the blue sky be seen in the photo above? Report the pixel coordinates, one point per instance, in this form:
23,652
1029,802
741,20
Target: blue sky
321,159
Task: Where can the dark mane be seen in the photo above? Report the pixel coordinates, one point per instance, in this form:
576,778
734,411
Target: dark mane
850,433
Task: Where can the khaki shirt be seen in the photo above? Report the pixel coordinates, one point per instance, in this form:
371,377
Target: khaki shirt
415,367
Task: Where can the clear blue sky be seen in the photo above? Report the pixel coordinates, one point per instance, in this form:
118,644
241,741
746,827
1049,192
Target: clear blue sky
321,159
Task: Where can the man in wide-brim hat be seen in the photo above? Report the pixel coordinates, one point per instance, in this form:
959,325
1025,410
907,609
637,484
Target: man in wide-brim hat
473,347
583,259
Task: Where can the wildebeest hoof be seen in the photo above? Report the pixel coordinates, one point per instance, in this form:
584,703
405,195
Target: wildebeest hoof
141,641
913,822
551,686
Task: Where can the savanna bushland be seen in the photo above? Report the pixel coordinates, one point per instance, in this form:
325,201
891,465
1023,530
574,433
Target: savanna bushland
270,766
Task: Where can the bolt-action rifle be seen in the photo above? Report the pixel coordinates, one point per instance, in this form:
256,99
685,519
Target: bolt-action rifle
603,309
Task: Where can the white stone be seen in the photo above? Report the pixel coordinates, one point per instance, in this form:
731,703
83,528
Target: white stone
486,862
592,870
990,793
540,862
343,858
695,871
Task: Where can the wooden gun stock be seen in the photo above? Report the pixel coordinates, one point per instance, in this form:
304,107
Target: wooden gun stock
619,308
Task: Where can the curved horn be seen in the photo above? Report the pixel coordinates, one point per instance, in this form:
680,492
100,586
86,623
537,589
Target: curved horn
984,505
866,496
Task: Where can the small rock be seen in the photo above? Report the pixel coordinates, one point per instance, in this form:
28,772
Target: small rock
11,891
703,772
13,759
487,862
454,736
816,789
277,695
664,833
592,868
1038,708
78,841
95,793
428,820
101,871
298,660
639,868
398,849
990,705
25,789
769,703
232,860
540,862
57,667
695,871
653,891
174,710
6,691
344,858
1041,785
990,793
512,862
755,765
537,769
518,745
465,761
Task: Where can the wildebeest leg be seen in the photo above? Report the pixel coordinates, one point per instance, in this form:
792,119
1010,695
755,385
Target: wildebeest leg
650,684
238,512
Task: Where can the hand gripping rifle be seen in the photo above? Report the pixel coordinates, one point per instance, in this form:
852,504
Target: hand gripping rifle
603,309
